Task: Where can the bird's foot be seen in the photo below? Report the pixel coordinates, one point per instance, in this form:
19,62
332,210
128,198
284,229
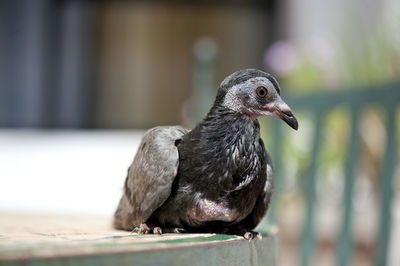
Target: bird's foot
147,229
157,230
179,230
176,230
247,234
141,229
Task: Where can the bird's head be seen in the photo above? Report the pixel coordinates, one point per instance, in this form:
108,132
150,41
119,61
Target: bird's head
254,93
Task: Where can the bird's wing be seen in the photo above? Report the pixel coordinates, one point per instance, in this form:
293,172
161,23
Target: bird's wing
150,176
263,199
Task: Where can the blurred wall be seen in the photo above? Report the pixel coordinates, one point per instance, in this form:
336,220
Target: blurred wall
45,63
117,64
145,59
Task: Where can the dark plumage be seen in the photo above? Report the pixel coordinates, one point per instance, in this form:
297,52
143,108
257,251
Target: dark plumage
215,178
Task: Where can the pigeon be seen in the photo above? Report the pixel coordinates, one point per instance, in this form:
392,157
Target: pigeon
215,178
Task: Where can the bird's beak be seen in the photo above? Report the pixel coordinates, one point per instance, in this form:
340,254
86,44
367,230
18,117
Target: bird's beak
281,110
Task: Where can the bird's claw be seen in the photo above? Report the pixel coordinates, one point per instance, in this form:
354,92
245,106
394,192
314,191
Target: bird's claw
145,229
251,235
178,230
157,230
248,235
142,229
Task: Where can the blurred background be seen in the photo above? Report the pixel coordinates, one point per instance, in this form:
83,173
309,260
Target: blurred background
82,80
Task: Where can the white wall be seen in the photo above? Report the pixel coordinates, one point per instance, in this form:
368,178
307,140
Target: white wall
77,172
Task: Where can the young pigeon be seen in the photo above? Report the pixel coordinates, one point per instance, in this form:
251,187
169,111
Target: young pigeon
215,178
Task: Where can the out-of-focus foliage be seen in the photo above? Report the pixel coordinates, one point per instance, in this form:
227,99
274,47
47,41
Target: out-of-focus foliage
360,53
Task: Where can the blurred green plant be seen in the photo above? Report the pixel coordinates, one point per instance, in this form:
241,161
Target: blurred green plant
358,54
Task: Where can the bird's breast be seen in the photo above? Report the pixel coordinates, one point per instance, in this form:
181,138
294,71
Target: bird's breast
209,210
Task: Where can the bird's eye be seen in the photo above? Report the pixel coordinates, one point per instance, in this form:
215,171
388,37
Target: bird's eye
261,91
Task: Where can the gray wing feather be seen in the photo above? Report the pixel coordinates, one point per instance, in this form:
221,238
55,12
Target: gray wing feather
263,199
150,176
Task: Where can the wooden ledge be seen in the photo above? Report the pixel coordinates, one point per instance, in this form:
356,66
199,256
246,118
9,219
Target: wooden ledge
78,240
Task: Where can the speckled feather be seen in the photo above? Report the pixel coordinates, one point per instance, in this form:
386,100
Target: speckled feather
231,174
216,176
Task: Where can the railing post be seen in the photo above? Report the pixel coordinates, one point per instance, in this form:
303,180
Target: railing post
344,244
276,154
307,244
205,52
386,186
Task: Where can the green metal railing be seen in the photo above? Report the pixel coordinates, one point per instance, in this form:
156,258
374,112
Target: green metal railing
319,104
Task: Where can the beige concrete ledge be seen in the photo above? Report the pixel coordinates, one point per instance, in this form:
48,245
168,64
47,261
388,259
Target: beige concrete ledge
33,239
